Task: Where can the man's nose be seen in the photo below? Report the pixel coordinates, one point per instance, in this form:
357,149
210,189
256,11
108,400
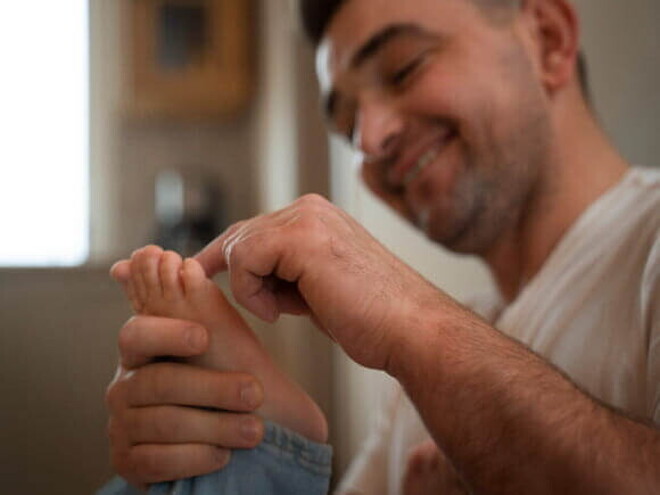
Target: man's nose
379,127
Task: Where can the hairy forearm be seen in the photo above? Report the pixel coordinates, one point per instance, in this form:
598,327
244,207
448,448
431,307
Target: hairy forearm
512,423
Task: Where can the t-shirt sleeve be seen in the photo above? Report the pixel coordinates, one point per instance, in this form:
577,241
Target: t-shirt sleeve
651,306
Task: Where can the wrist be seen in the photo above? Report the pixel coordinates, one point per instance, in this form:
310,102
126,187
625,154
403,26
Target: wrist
426,336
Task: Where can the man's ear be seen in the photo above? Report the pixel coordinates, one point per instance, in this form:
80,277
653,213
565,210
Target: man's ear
556,34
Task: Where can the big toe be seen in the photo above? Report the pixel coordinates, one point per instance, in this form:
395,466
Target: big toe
170,267
150,258
193,277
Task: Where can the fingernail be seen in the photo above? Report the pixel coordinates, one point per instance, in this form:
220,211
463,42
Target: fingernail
251,395
196,339
250,430
222,456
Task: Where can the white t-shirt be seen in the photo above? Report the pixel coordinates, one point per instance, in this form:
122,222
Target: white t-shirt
593,310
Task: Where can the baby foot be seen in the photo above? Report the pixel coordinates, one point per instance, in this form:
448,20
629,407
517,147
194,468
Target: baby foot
162,284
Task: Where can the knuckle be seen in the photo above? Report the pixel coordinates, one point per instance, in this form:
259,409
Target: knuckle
122,461
233,249
148,468
114,396
115,432
126,339
155,383
313,199
232,232
311,224
241,252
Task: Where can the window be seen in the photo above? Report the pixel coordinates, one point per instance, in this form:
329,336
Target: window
44,170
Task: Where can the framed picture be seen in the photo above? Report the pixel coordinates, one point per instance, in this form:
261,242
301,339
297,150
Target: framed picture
188,58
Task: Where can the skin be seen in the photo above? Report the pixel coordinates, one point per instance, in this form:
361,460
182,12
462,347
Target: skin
162,284
311,258
429,471
404,97
147,391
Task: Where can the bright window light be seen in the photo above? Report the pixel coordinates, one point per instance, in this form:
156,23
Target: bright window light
44,171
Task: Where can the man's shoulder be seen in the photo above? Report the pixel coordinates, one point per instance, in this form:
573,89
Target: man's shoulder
644,202
632,207
644,181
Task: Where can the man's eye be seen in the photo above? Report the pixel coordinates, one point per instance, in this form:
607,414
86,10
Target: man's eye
400,76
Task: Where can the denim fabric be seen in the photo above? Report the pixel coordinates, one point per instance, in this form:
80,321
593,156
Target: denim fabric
285,463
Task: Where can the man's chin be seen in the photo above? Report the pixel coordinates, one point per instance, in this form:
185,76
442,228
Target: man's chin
458,238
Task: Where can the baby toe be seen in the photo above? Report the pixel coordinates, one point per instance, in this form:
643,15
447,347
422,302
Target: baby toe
132,294
121,271
136,279
150,259
170,267
193,277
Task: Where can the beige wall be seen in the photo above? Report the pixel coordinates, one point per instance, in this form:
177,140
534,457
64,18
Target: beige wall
622,43
57,353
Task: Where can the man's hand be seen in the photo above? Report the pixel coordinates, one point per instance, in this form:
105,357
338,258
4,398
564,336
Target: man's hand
168,419
428,471
312,258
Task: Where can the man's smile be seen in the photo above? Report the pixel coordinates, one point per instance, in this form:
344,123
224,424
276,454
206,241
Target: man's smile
411,164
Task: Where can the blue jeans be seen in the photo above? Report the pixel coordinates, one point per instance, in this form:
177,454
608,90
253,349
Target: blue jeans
285,463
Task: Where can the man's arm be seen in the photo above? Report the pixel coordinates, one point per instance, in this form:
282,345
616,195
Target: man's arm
508,420
512,423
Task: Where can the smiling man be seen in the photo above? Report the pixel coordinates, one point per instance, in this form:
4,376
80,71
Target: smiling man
473,125
453,129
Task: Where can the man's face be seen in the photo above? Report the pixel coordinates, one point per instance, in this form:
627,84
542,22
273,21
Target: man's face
447,110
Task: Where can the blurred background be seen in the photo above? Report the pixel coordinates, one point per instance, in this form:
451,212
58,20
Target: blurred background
127,122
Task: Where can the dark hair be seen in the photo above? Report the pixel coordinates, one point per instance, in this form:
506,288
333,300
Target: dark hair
316,15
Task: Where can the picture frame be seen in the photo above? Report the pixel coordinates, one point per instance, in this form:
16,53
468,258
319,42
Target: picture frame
188,59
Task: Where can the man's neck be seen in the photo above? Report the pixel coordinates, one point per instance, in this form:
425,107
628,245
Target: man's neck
583,166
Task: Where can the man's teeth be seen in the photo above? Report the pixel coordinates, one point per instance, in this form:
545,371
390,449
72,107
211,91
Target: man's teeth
421,164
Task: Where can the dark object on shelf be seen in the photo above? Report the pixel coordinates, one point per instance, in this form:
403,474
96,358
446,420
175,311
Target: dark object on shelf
189,212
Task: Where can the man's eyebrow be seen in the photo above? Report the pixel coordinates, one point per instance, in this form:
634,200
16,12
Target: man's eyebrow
369,49
381,38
